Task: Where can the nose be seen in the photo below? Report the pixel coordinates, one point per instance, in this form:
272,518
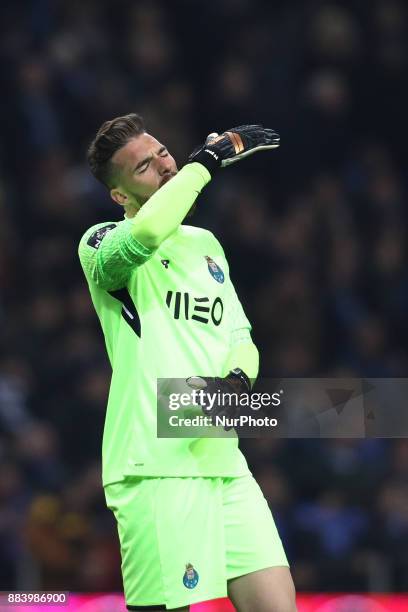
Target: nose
164,166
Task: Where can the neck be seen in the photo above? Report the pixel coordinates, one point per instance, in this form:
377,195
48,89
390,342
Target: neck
131,210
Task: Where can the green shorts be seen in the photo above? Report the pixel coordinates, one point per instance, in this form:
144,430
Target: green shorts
182,539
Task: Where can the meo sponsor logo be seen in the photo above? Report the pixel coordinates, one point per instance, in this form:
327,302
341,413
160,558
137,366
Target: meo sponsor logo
195,308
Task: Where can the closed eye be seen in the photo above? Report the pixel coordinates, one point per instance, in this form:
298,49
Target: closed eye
143,168
144,164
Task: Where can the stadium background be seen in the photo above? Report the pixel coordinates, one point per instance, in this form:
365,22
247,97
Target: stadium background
315,235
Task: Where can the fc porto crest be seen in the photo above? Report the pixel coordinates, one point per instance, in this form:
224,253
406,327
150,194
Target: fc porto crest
215,270
190,578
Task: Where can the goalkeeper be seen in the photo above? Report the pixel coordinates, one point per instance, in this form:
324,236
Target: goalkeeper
193,524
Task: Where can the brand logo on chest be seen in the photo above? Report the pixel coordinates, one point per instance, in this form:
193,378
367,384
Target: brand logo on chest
201,309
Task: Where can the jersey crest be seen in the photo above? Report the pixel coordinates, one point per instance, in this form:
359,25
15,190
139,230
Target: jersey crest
190,578
96,238
215,270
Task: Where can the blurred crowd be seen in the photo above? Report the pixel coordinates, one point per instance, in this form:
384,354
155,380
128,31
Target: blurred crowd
315,234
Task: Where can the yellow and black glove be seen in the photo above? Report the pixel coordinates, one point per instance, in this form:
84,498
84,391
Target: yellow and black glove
233,145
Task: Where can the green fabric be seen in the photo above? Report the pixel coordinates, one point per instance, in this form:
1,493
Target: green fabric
223,527
244,355
110,267
164,315
167,208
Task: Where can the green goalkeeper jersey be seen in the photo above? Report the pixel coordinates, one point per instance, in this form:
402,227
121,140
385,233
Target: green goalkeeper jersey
165,313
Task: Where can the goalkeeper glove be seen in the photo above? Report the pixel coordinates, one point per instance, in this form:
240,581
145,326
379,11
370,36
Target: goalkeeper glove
212,399
233,145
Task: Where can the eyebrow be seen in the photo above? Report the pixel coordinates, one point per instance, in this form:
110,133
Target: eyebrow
148,159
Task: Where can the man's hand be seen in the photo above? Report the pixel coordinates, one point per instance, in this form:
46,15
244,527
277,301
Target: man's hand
220,396
233,145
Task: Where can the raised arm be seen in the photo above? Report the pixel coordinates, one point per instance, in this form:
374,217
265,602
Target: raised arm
109,252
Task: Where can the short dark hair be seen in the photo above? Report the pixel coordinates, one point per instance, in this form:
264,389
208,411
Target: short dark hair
112,136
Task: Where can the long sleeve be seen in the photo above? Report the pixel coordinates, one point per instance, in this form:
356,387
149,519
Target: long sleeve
109,252
167,208
245,356
242,351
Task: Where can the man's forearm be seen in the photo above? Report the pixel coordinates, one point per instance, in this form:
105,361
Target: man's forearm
246,357
167,208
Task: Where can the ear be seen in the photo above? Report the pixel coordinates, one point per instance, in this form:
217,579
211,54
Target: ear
119,197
